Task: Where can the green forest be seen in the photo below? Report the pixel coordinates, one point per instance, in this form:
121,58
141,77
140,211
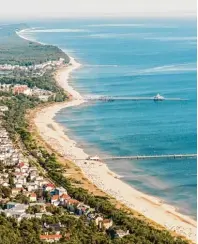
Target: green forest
17,51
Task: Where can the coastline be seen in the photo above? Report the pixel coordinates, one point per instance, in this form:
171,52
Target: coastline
98,172
18,33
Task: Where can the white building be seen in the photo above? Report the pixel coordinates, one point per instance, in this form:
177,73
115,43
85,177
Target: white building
3,108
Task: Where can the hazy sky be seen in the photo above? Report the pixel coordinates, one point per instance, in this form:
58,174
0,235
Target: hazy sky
65,8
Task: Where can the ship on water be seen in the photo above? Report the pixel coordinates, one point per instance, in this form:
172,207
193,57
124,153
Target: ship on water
158,97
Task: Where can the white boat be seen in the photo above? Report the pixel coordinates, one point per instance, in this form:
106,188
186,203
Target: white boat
158,97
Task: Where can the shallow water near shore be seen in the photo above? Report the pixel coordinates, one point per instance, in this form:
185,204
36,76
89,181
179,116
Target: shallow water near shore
127,57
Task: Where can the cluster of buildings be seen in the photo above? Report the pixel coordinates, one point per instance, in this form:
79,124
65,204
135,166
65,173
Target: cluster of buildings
24,89
46,65
3,109
24,181
35,91
9,156
5,87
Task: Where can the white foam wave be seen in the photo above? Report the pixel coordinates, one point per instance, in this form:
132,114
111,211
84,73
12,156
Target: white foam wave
112,35
115,25
132,25
179,38
188,67
54,30
170,68
142,35
28,37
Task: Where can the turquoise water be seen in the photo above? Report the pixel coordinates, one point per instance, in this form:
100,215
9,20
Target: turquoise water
134,57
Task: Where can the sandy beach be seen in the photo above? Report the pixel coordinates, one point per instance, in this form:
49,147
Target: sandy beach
98,172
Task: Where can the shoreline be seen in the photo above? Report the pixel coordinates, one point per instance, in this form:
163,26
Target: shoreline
98,172
18,33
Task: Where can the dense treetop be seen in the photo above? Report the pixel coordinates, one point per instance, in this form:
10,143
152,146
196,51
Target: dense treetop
17,51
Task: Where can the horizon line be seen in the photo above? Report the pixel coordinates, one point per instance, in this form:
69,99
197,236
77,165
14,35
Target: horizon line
174,15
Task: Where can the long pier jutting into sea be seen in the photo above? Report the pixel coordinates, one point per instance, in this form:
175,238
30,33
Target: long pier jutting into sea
120,98
137,157
173,156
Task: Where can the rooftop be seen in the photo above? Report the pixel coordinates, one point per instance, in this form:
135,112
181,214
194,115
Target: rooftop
47,237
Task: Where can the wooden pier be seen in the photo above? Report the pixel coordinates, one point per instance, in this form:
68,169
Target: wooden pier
142,157
173,156
117,98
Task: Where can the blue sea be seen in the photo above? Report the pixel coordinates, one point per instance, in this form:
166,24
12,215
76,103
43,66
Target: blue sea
134,57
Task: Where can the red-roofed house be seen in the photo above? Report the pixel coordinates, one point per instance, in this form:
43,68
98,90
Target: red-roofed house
15,191
55,199
107,223
21,164
50,238
49,187
72,202
64,197
23,167
21,89
33,197
18,174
